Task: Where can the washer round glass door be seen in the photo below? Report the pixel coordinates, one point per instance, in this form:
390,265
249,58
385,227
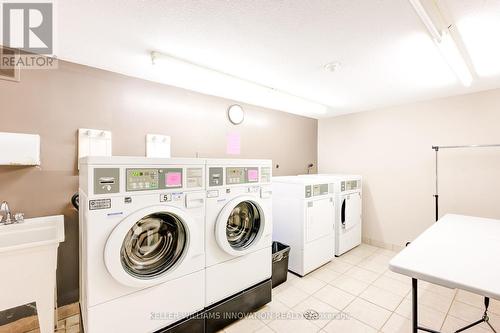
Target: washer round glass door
243,225
240,225
153,245
149,246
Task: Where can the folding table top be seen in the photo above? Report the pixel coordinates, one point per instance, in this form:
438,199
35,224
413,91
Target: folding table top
456,252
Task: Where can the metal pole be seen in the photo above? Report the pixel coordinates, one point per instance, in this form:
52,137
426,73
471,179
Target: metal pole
436,193
414,296
436,149
466,146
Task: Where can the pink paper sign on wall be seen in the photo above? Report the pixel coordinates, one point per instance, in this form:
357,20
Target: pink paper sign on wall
233,146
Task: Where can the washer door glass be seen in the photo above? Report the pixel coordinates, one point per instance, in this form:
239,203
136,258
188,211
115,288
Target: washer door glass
153,245
243,225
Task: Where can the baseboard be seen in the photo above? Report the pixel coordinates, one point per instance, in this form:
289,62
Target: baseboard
382,245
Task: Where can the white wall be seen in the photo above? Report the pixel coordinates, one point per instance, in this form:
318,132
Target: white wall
391,148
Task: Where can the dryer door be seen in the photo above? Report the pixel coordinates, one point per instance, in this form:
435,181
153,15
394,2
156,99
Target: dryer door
351,210
320,218
240,225
147,245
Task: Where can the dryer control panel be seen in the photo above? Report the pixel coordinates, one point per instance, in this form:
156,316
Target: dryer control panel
316,190
350,185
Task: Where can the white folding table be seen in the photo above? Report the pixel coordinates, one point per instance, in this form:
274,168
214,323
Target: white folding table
456,252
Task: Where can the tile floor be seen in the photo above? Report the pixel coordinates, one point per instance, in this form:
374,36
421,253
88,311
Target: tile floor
357,293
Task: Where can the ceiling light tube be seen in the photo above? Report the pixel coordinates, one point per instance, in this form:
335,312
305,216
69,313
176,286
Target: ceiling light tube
426,19
446,45
190,75
449,50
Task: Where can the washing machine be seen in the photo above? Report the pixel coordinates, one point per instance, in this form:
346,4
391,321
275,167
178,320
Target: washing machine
142,255
238,232
304,218
348,200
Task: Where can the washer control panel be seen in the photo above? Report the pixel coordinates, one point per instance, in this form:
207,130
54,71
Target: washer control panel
242,175
154,179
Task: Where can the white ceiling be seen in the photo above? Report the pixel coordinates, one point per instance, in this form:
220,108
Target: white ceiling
387,56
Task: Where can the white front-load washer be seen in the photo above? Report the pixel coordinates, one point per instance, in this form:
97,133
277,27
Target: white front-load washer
348,201
142,255
304,219
238,226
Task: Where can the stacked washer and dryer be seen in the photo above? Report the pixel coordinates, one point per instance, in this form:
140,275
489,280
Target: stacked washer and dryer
156,247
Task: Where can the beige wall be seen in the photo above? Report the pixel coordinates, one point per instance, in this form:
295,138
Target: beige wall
391,148
56,103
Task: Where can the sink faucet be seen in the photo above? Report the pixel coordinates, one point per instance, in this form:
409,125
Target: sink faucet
6,215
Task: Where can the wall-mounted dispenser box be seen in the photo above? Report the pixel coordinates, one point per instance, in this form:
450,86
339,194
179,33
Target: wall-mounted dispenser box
19,149
157,145
93,142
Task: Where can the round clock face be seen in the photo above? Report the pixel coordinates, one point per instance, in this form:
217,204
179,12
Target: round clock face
236,114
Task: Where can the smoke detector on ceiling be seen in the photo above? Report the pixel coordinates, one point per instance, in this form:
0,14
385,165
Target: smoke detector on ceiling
332,66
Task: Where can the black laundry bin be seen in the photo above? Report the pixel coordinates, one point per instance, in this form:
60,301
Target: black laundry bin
280,263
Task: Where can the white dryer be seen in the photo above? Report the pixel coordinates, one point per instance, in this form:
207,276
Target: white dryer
238,226
142,255
348,194
304,218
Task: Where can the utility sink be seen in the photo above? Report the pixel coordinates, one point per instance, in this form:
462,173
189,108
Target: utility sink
28,257
32,233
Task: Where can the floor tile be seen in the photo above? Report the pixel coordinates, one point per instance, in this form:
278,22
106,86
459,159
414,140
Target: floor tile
349,284
363,251
433,300
293,324
349,325
271,311
246,325
338,266
362,274
465,311
452,324
291,296
382,298
308,284
373,265
393,286
335,297
264,329
322,314
398,277
440,290
324,274
397,324
368,313
428,317
477,301
385,252
350,258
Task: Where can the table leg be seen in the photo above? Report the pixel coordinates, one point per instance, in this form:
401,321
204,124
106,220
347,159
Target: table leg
414,296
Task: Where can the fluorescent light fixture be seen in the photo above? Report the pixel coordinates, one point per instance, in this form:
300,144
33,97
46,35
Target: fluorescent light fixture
447,46
454,58
479,33
192,76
